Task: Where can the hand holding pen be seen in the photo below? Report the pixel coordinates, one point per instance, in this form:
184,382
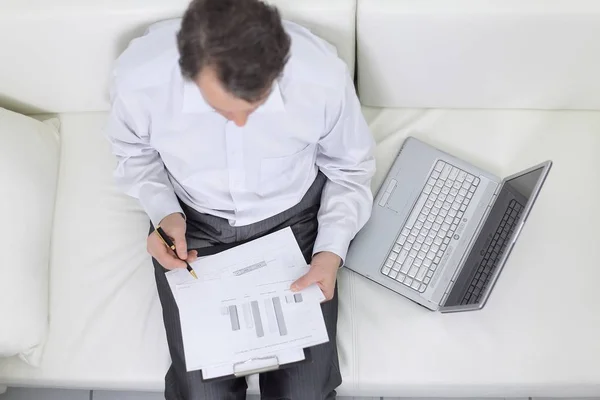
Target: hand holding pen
168,246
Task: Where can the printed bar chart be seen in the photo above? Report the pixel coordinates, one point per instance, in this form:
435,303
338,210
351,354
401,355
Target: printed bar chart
279,316
257,320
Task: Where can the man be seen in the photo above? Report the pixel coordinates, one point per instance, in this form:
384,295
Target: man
227,126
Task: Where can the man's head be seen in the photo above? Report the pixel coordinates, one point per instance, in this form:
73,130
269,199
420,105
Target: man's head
233,50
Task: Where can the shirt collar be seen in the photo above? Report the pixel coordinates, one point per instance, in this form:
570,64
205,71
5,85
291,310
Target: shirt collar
193,102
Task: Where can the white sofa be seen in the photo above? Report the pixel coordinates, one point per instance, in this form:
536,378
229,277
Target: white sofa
464,75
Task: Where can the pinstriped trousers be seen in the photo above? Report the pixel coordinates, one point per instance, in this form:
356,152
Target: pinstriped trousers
315,379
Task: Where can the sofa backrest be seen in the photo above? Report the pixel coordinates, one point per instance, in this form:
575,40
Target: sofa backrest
537,54
57,55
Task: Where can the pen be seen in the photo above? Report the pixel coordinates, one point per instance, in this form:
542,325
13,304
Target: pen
169,243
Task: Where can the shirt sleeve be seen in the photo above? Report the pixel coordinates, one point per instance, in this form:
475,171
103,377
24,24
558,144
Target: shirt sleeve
140,171
345,156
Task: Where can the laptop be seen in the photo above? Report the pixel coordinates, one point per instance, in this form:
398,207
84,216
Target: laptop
441,229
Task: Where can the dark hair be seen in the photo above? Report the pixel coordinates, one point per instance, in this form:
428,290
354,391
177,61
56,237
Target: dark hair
243,40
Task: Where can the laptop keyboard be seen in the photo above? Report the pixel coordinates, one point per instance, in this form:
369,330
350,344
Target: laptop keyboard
433,221
492,255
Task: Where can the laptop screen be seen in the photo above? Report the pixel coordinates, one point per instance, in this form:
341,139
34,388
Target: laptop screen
524,184
483,262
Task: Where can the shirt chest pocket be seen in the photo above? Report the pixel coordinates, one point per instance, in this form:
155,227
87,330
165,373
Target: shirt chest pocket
280,174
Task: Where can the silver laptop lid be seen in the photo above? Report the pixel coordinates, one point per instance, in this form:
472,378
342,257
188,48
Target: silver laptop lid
524,186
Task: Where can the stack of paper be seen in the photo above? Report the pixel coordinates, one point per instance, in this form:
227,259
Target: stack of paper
241,315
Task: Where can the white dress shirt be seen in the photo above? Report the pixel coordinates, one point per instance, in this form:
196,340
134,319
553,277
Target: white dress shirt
171,144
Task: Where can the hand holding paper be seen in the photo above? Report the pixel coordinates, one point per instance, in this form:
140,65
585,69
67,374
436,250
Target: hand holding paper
323,272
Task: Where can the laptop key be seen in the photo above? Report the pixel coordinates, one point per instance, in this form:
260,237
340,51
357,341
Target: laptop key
416,285
402,256
413,272
405,268
453,174
422,272
386,270
445,172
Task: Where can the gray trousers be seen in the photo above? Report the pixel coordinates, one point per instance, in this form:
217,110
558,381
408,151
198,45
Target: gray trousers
310,380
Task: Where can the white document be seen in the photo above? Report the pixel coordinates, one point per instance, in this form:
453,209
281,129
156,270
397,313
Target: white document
241,307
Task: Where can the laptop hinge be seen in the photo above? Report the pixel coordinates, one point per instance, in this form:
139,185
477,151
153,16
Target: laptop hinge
469,248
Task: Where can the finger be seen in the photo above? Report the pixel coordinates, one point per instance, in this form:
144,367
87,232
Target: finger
304,281
169,261
181,246
327,291
162,253
192,256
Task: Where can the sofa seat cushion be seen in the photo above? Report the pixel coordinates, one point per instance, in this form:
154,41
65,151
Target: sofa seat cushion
537,334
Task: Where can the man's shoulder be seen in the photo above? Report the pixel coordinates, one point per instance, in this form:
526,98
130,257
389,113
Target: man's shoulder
149,61
313,60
